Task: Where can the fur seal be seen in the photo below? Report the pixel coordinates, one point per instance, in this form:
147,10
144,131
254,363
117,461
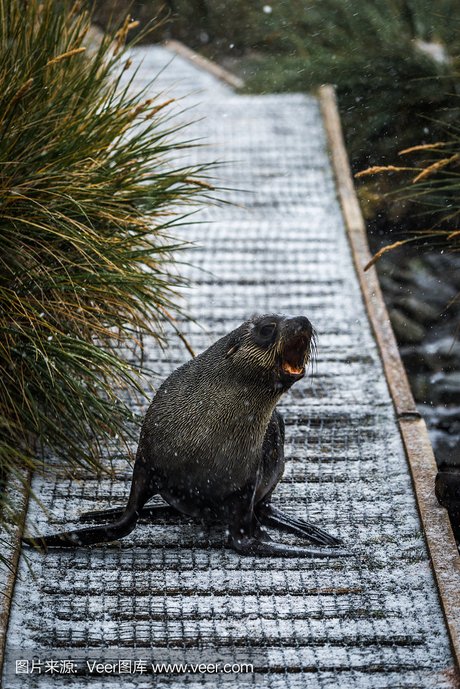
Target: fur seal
212,444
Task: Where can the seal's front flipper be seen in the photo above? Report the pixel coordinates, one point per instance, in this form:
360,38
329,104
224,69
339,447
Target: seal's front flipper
246,537
148,512
270,516
262,548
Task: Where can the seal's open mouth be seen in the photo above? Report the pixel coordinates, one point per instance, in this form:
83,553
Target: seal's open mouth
294,356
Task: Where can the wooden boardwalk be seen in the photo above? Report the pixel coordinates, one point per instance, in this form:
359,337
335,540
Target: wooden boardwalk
174,593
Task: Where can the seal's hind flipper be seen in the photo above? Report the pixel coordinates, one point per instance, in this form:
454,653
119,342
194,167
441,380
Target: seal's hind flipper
141,491
270,516
62,539
89,536
148,512
96,515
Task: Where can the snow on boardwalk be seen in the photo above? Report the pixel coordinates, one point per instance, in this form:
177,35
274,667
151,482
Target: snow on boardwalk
173,593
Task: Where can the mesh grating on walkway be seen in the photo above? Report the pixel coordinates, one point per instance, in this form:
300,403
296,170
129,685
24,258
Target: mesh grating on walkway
172,592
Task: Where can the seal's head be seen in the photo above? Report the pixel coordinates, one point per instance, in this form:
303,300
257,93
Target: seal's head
274,348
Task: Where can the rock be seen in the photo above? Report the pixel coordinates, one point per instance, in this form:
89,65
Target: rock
442,416
447,489
391,288
446,448
445,265
444,428
413,359
420,384
406,330
436,290
445,388
419,309
442,354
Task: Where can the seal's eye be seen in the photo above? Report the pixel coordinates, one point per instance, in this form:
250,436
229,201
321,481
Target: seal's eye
267,330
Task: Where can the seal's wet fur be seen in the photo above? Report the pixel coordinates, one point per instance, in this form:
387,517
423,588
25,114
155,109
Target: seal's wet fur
211,443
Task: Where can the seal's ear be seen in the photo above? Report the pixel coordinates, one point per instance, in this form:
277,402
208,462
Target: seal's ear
232,350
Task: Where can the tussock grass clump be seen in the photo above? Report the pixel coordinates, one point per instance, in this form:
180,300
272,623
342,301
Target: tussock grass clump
431,184
86,267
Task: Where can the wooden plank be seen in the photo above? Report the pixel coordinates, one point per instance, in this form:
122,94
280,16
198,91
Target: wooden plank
18,492
203,63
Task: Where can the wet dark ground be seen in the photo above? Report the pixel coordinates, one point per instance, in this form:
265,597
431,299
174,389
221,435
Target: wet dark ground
422,293
423,298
